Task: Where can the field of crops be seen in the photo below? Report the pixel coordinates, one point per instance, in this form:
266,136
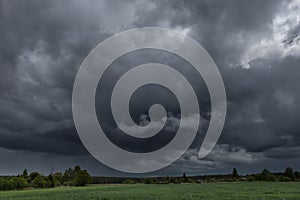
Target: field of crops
253,190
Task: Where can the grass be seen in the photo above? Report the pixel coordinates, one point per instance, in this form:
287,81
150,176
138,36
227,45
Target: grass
215,191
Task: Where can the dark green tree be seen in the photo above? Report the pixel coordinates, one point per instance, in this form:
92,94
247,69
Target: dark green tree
235,173
58,178
289,172
19,183
82,178
77,169
39,182
184,177
9,184
25,174
68,175
297,174
265,175
51,180
33,175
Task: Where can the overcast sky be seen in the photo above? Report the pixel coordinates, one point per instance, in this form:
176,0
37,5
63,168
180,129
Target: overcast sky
255,44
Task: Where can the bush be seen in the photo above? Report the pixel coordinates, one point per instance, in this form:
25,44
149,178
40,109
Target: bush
8,185
68,183
285,178
19,183
149,181
39,182
129,181
251,178
179,180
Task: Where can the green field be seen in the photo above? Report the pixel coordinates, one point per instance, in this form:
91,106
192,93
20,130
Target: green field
253,190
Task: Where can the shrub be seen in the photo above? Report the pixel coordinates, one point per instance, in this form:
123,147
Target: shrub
251,178
149,181
8,184
39,182
129,181
19,183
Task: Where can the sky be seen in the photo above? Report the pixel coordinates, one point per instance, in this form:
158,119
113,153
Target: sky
255,44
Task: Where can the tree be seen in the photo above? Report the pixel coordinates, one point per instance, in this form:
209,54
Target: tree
68,175
148,181
82,178
289,172
75,176
25,174
19,183
297,175
266,175
58,178
39,182
184,177
9,184
77,169
33,175
51,180
235,173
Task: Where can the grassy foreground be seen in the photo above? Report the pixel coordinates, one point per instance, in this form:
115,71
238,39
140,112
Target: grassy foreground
244,190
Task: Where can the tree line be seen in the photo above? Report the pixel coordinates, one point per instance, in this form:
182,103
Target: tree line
78,177
71,177
288,175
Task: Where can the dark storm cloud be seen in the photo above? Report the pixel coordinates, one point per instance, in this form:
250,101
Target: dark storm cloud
264,106
255,44
262,99
224,28
241,35
42,45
